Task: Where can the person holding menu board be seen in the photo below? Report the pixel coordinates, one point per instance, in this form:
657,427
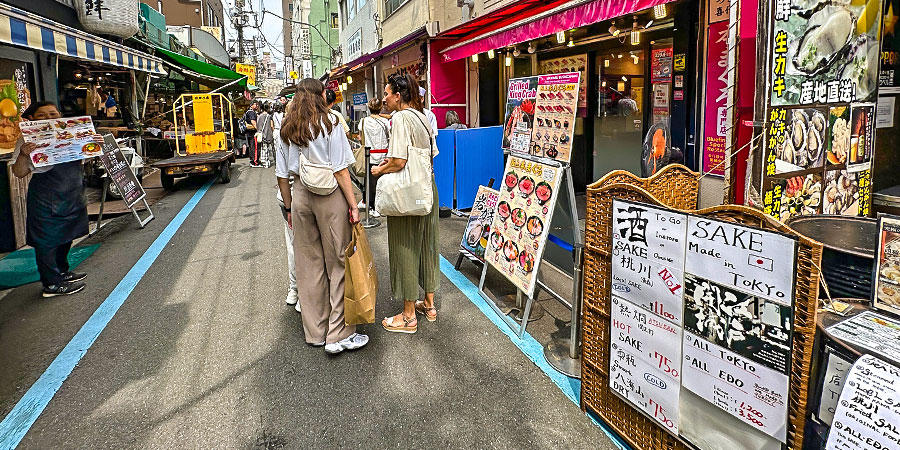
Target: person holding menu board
56,213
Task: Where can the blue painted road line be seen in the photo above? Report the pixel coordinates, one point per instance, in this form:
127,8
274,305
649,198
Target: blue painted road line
571,387
32,404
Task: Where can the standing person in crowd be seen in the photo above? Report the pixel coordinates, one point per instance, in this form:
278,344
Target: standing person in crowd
451,119
56,213
432,119
375,136
412,240
264,125
321,223
331,99
282,171
251,148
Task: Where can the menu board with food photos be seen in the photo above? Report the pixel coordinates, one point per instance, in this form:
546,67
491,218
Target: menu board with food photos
478,230
60,140
522,222
519,119
886,283
554,122
569,64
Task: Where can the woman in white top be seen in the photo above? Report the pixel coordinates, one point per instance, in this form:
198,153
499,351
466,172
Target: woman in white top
281,156
321,223
412,240
375,135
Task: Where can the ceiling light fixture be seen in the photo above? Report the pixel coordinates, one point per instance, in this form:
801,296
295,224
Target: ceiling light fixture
603,84
531,47
491,54
635,59
475,58
635,33
516,52
624,78
659,11
349,79
571,43
605,63
614,31
560,37
648,24
343,86
619,56
508,60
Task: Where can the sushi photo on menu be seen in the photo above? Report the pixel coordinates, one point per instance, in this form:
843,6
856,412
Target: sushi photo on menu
61,140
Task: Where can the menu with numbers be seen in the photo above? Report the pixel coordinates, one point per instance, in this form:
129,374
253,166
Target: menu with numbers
868,413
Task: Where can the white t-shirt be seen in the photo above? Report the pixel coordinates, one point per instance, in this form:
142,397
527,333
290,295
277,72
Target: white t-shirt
432,119
376,131
331,149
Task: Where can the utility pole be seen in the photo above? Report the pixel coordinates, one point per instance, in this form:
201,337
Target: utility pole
239,19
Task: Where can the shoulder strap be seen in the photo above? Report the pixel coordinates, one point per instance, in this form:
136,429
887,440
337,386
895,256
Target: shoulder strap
428,130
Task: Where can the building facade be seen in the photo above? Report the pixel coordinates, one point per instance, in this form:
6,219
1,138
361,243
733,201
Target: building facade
200,13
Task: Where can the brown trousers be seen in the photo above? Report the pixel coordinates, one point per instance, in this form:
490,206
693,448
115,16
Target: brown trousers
321,233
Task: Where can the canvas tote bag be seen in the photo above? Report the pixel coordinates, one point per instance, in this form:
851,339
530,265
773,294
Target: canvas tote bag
408,192
360,280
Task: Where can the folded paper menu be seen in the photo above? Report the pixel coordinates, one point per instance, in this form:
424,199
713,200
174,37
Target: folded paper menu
60,140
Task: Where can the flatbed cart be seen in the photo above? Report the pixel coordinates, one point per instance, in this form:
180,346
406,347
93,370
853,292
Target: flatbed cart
203,125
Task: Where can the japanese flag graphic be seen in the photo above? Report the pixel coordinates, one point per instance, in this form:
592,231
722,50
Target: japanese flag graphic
761,262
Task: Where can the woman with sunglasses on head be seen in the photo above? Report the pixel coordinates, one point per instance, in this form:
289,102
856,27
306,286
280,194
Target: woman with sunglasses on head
56,213
321,223
412,240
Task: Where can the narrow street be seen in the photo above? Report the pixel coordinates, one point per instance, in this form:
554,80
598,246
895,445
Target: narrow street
204,353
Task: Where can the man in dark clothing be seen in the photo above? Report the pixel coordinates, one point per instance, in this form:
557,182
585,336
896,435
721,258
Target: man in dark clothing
250,144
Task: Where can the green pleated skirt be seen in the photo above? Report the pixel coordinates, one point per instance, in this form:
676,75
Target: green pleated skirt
413,252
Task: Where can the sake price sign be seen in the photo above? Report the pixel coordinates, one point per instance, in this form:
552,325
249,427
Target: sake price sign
648,257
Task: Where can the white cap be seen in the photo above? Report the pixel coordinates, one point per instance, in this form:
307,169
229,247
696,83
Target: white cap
421,91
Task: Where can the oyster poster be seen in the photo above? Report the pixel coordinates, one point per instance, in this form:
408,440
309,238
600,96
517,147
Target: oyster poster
478,230
519,114
522,222
824,52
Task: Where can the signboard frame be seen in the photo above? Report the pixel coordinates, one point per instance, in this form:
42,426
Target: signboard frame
111,151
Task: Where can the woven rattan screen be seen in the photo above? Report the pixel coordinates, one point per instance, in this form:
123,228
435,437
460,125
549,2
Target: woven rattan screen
596,396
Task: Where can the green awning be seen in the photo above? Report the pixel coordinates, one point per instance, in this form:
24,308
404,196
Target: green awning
201,72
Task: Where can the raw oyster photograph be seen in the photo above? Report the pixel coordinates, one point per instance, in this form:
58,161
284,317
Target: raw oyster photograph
804,145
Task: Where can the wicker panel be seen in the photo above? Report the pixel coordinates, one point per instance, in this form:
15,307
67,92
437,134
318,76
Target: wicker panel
634,427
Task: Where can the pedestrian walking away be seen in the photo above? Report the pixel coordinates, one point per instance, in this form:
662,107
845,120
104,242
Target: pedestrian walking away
412,240
282,171
321,221
264,126
251,147
56,213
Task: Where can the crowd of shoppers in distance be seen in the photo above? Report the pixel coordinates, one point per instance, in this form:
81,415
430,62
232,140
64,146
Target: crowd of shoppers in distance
318,227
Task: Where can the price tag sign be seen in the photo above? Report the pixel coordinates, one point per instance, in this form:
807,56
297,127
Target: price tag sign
868,413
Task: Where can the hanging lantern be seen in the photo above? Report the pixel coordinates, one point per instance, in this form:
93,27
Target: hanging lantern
113,17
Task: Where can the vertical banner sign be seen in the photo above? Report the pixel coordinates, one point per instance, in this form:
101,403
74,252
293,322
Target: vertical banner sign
249,70
119,172
15,96
554,127
661,82
868,415
889,77
520,227
715,123
738,317
823,76
519,119
886,283
203,112
646,309
478,230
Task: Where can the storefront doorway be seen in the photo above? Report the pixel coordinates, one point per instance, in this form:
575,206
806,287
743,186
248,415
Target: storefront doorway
619,121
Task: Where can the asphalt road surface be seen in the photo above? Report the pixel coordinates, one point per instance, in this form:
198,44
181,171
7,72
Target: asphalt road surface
204,353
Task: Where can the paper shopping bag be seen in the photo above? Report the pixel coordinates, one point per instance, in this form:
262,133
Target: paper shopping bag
360,280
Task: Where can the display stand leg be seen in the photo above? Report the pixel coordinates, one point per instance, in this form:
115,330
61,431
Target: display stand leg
102,203
369,222
517,327
147,220
564,354
459,260
537,311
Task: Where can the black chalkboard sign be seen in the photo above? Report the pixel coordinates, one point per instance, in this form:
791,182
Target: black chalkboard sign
119,172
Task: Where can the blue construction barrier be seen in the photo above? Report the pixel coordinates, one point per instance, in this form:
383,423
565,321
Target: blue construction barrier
479,157
445,167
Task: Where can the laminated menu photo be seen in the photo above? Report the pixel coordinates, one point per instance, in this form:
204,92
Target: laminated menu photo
61,140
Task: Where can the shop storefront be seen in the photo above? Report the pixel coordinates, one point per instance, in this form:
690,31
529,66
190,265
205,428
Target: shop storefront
42,60
638,65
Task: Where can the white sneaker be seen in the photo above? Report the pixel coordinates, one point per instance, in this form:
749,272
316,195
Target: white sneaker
291,298
374,213
297,307
353,342
361,204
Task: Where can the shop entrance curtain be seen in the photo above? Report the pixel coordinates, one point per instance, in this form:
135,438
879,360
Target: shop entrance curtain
577,16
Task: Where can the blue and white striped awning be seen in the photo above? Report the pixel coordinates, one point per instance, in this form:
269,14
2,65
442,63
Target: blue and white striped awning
25,29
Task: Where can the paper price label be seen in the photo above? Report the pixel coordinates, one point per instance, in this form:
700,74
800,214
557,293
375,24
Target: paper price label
655,341
868,413
645,387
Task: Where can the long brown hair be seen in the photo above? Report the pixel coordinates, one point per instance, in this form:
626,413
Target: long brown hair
307,114
408,88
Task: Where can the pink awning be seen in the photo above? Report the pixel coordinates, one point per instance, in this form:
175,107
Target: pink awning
573,17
